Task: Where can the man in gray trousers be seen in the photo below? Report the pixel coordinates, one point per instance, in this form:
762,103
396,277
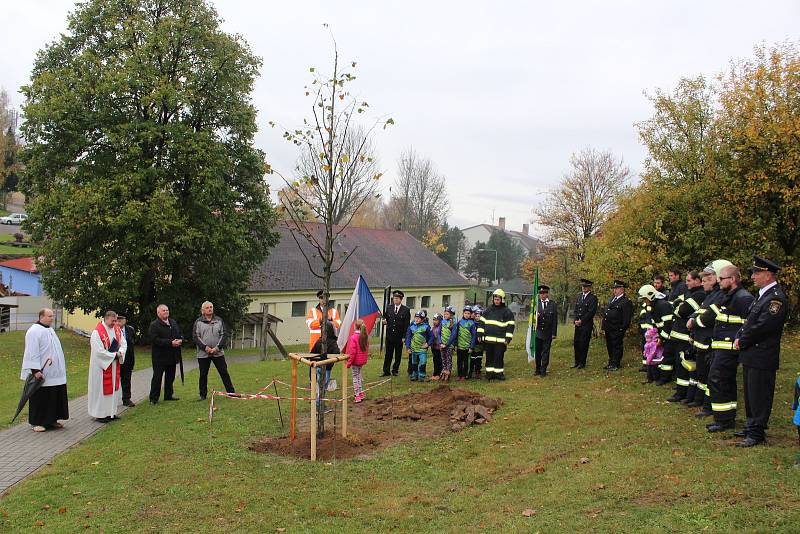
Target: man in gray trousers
208,334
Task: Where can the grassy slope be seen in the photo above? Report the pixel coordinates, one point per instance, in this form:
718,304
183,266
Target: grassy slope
649,466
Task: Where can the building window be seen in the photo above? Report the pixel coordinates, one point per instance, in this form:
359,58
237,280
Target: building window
426,302
411,302
299,308
445,301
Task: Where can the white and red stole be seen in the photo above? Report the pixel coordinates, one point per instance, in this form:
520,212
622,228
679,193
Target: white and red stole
110,383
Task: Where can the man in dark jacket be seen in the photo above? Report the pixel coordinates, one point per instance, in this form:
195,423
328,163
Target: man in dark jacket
759,344
616,320
722,376
682,356
126,370
495,329
208,334
166,338
585,309
397,319
546,329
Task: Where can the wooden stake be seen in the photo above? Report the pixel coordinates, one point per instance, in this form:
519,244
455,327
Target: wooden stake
293,416
344,400
314,394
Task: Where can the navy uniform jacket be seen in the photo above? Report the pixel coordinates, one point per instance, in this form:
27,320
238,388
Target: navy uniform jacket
760,337
618,314
546,320
397,323
585,308
730,318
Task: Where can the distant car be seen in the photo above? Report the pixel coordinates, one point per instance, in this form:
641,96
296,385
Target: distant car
14,218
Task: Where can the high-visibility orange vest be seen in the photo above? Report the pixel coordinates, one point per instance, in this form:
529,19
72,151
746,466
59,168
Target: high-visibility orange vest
315,328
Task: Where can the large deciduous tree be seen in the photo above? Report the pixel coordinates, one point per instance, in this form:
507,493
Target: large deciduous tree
419,198
573,212
143,182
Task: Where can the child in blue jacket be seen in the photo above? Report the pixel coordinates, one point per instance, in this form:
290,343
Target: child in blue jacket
418,338
463,339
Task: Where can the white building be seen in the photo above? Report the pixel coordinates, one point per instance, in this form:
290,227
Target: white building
482,233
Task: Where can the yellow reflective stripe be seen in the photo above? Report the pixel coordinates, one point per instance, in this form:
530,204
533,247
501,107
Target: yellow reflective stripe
681,382
644,361
480,329
688,364
512,322
667,317
498,369
715,309
723,406
724,345
692,382
699,345
509,334
664,335
493,339
495,323
315,331
489,369
645,326
699,322
693,303
731,319
665,367
679,335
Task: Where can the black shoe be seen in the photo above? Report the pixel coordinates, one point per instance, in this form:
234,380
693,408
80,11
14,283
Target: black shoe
128,403
685,401
750,442
576,366
647,381
500,376
662,382
675,398
581,367
537,372
704,413
394,373
720,427
103,419
543,373
740,434
172,399
384,374
153,402
202,398
695,404
612,368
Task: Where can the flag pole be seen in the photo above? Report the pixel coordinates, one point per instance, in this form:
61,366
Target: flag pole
534,315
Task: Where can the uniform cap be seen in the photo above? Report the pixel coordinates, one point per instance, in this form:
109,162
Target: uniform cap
763,264
620,283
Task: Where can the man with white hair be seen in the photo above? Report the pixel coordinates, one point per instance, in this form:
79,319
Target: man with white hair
108,348
208,334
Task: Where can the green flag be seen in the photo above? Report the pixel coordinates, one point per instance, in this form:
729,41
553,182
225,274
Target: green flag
530,341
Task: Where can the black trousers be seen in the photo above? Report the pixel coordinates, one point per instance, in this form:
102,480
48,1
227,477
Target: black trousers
682,374
47,405
542,355
583,337
708,358
165,372
437,361
759,390
495,357
394,349
475,361
615,342
722,382
222,368
125,375
462,362
666,370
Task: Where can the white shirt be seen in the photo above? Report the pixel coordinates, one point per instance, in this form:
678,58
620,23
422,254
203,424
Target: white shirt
41,344
766,288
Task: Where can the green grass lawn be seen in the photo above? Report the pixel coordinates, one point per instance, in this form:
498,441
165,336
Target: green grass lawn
586,450
8,249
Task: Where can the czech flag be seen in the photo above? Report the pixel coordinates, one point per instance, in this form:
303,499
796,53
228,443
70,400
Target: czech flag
362,306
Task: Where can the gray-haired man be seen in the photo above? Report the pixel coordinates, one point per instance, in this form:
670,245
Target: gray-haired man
208,334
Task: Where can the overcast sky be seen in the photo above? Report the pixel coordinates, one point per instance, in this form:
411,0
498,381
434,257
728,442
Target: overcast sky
497,94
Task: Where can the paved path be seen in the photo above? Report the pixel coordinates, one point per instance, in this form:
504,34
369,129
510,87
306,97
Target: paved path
23,451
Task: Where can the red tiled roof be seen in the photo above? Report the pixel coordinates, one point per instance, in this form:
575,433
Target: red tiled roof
21,264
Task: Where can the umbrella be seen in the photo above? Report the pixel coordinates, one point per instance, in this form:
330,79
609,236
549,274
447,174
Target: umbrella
31,385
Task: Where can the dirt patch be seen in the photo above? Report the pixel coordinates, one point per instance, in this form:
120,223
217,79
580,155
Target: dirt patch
374,425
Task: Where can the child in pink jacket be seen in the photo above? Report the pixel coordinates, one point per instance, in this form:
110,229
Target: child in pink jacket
357,351
653,354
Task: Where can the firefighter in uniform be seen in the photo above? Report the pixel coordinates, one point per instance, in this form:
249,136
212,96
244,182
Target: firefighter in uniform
729,319
495,329
661,312
314,320
584,311
759,344
701,328
616,320
685,364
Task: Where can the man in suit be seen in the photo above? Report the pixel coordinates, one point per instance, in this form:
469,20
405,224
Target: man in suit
127,365
397,319
585,309
166,339
616,320
546,329
759,344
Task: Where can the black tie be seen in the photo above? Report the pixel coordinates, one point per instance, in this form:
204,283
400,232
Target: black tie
397,309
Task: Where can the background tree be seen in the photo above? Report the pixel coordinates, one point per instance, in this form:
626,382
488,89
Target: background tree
455,253
370,214
9,148
142,180
559,269
574,211
338,154
481,263
419,198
